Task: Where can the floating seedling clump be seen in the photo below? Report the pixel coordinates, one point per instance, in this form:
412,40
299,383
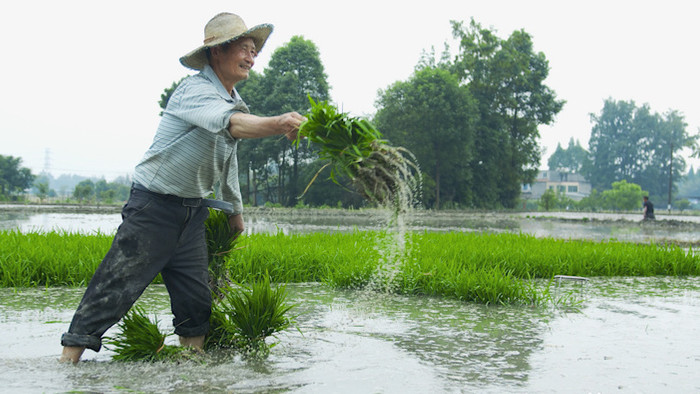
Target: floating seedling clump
354,148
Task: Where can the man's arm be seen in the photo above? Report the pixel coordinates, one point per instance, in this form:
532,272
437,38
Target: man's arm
244,125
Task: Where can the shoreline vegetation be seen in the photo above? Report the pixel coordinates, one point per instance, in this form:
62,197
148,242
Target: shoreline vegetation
369,211
490,268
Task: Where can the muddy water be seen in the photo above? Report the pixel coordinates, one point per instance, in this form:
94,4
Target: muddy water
624,335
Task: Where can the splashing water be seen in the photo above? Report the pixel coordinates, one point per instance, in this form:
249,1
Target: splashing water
383,174
392,244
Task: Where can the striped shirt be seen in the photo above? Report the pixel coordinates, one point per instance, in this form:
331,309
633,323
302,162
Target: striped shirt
192,152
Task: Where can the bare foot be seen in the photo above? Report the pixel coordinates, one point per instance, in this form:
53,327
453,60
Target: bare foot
195,342
71,354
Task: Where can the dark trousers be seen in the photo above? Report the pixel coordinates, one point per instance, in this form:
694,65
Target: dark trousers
159,234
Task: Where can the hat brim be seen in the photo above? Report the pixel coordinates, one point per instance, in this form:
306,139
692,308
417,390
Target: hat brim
197,58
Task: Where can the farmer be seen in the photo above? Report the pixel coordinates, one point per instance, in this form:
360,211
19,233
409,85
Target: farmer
193,151
648,209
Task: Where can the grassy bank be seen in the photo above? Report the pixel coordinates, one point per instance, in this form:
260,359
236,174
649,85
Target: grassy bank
489,268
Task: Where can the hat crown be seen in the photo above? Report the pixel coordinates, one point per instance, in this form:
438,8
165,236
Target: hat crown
223,26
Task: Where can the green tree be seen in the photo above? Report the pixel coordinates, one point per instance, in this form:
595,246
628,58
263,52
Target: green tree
548,200
14,178
571,160
632,143
682,204
294,73
506,77
623,196
593,202
690,185
84,190
434,117
42,190
167,93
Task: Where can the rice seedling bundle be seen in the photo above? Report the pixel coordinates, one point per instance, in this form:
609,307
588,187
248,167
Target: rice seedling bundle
247,315
139,339
354,148
241,318
220,242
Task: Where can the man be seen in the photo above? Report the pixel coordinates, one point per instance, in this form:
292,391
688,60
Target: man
648,209
193,151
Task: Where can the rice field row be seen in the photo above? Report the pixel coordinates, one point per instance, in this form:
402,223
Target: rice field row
488,268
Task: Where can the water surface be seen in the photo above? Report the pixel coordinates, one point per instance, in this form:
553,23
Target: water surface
566,225
626,334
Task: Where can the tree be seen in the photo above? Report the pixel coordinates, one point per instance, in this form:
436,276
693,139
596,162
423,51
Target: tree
593,202
42,190
167,93
632,143
682,204
548,200
506,77
14,178
690,185
434,117
294,73
571,160
84,190
623,196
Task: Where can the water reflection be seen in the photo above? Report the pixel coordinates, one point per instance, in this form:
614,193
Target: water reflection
637,334
564,225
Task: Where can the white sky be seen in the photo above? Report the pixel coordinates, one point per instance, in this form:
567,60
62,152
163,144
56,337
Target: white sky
82,79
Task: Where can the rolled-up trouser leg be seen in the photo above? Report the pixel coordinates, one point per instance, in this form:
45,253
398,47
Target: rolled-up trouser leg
143,245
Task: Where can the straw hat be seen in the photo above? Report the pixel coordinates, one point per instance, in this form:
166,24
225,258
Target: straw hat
221,28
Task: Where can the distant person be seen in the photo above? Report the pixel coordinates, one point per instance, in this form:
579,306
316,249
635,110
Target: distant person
193,150
648,209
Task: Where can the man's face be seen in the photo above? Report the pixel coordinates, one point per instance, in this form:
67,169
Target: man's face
234,63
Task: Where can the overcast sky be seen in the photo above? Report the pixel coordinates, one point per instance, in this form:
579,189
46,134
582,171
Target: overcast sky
82,79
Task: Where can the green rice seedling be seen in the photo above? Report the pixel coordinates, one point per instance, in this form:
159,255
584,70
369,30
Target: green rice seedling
354,148
139,339
246,316
435,263
55,258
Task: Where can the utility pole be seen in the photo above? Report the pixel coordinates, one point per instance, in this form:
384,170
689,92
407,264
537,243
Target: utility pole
670,178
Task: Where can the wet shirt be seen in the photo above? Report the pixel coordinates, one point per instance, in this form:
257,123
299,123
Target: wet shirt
192,152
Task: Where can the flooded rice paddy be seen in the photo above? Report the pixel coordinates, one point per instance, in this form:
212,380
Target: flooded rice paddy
595,226
624,335
619,335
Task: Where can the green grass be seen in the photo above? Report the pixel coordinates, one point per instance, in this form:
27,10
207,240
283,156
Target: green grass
486,268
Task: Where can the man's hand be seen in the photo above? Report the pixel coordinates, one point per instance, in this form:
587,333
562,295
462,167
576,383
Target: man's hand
235,223
289,124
